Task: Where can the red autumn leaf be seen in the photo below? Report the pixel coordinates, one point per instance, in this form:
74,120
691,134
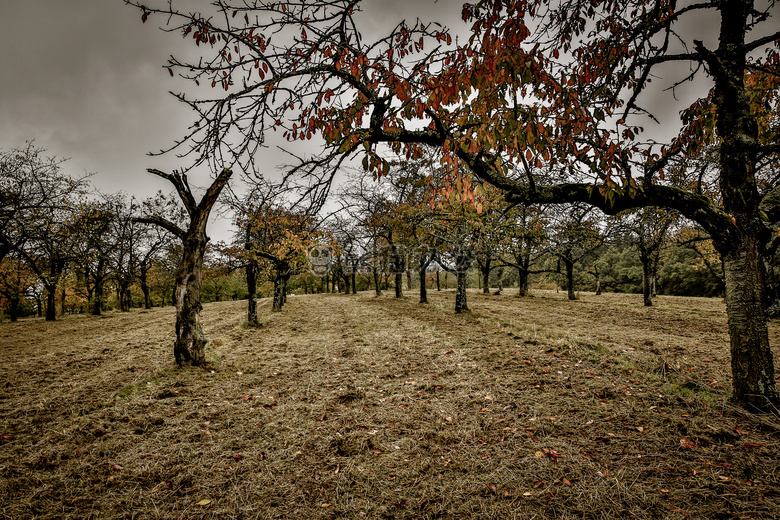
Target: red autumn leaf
551,453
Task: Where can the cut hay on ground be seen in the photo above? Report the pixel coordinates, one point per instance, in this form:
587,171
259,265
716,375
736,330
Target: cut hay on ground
364,407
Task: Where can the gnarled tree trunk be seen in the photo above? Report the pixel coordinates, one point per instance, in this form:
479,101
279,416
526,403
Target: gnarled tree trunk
190,346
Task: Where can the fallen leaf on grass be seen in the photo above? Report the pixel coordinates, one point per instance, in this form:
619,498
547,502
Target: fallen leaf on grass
328,504
686,444
118,467
204,502
566,481
551,453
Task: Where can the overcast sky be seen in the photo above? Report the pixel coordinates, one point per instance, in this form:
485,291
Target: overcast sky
84,80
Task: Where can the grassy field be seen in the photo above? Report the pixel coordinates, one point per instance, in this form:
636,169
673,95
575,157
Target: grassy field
365,407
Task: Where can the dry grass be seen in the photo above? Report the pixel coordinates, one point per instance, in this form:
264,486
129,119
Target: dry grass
355,406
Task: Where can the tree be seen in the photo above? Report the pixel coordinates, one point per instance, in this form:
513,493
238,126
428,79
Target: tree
527,236
575,233
380,209
31,184
16,282
564,88
650,226
38,215
190,345
281,239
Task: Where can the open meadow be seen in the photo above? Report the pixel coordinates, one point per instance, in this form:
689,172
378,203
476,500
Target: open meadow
364,407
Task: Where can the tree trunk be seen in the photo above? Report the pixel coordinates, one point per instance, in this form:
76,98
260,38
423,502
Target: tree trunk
251,284
423,288
500,280
752,364
51,302
377,282
278,291
460,294
438,283
354,280
145,288
569,278
190,347
486,280
522,282
13,308
125,299
399,285
646,281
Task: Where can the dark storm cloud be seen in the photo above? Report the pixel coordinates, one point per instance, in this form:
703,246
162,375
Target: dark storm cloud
84,80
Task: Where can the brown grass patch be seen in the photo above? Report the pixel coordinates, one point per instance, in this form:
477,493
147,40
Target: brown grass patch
356,406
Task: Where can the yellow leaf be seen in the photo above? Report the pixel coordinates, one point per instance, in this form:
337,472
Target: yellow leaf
203,502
